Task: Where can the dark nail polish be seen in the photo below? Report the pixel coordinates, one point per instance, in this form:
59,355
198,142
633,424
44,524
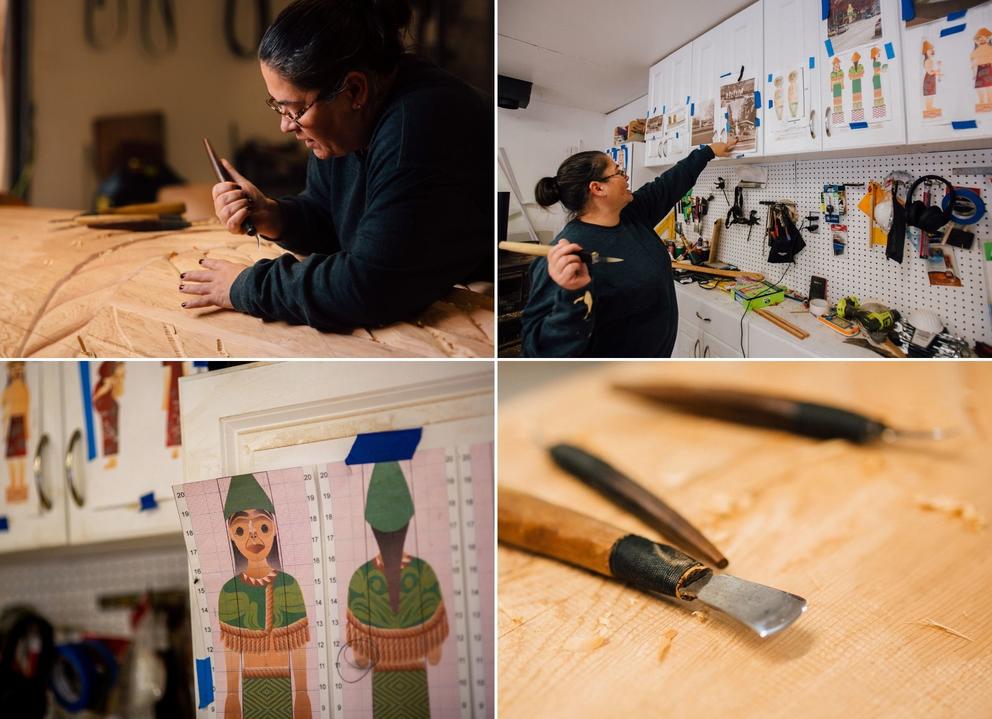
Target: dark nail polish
182,286
201,262
184,304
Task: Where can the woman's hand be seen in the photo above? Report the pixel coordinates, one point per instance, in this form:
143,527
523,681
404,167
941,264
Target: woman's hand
234,202
212,285
723,149
566,268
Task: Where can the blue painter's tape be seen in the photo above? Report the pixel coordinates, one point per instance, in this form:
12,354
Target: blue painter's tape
964,125
200,363
692,110
147,502
726,74
974,198
812,62
757,98
384,446
908,10
4,525
654,109
824,9
757,122
204,683
956,15
954,30
890,52
830,48
84,383
858,125
664,108
769,104
676,136
769,77
687,98
724,116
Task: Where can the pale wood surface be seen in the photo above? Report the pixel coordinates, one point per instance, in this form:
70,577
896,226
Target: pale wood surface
72,291
838,524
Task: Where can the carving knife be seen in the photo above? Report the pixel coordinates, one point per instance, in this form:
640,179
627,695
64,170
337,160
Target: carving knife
806,418
560,533
531,248
224,176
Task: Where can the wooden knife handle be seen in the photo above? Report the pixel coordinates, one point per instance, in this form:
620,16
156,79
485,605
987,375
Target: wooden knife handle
526,248
554,531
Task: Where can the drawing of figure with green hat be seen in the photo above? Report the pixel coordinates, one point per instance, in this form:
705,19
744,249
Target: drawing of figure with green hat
396,616
263,617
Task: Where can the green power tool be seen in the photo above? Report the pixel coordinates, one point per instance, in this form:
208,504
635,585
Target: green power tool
874,318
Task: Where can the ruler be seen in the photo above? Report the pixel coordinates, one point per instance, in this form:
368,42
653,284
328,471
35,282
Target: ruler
459,568
328,599
319,620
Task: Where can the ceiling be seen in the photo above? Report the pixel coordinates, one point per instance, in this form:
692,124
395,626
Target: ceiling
596,55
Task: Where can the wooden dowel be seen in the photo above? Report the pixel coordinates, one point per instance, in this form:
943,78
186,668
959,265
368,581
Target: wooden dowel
756,276
782,323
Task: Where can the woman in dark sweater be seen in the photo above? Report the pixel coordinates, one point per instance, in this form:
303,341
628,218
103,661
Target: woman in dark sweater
622,309
398,202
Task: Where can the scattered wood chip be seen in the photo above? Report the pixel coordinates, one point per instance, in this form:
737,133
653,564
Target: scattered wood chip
702,615
955,508
944,628
605,619
586,642
666,643
724,506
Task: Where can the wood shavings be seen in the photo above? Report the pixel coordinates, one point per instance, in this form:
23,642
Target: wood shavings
587,642
955,508
944,628
604,620
724,506
702,615
666,643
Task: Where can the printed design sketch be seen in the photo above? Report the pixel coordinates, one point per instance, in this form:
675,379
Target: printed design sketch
396,613
877,68
251,536
855,74
927,10
981,66
737,101
702,122
170,405
853,23
108,390
16,421
837,91
931,75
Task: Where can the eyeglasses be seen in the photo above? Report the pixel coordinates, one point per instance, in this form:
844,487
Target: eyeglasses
295,117
620,171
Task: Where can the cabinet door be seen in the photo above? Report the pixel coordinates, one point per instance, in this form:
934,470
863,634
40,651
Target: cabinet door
122,428
659,80
770,341
791,87
741,75
32,502
267,417
677,122
949,91
704,88
863,100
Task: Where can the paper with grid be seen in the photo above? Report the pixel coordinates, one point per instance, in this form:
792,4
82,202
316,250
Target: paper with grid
451,530
211,555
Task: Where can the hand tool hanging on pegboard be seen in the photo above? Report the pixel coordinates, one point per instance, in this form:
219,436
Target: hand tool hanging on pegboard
90,23
263,15
167,12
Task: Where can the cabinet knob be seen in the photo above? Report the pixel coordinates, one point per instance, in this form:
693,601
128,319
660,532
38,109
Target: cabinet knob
706,352
704,319
812,124
39,474
70,468
695,349
826,123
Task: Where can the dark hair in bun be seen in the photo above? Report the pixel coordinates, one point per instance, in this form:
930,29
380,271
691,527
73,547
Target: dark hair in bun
315,43
570,186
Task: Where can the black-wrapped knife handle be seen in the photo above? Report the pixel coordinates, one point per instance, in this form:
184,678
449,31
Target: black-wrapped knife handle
824,422
654,567
603,477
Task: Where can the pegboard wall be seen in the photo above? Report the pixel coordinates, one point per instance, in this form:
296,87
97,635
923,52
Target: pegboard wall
66,589
862,270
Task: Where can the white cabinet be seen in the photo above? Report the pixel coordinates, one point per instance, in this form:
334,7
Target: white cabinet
861,65
791,80
704,87
947,68
123,445
764,340
668,98
740,75
32,498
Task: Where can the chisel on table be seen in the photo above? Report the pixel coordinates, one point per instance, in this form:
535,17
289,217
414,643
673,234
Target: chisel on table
806,418
554,531
224,176
531,248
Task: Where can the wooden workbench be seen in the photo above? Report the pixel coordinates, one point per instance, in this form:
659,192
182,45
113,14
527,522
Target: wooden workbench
846,527
70,291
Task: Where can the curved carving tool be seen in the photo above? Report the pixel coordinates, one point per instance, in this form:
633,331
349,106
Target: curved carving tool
531,248
224,176
554,531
